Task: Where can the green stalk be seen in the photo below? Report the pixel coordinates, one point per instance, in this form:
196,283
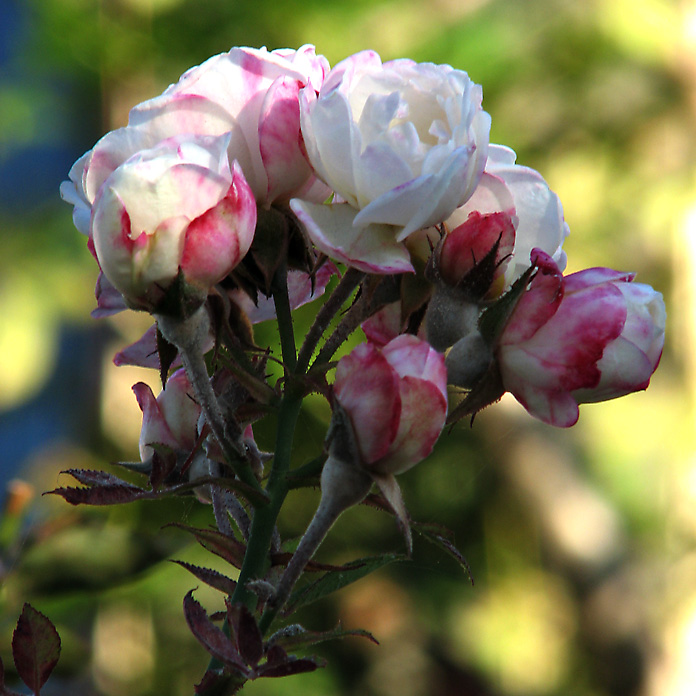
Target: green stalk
187,335
351,279
264,519
281,300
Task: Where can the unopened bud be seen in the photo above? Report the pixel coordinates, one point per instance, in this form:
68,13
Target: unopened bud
449,317
343,484
468,360
202,467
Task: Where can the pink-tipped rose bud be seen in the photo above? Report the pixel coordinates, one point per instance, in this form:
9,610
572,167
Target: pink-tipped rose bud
252,94
470,242
396,400
171,419
590,336
177,207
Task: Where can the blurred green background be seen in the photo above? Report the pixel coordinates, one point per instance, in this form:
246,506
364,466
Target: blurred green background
581,542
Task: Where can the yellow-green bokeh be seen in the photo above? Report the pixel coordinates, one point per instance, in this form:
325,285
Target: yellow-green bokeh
581,542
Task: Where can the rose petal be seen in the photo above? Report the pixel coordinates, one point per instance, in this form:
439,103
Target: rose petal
368,389
371,249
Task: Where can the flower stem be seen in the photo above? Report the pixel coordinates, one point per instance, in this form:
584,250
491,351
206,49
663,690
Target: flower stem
188,336
342,486
281,300
351,320
264,518
351,279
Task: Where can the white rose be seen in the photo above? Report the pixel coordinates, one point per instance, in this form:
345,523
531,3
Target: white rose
402,143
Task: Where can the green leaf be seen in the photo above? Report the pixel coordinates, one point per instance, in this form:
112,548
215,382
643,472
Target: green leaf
438,537
297,637
335,580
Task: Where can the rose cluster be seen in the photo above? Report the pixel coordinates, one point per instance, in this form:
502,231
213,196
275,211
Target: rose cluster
256,183
387,169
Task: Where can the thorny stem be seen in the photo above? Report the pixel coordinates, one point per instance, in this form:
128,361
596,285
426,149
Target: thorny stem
263,533
263,523
188,335
351,279
284,317
358,313
343,485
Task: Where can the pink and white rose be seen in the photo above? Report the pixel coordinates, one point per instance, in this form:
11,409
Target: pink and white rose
170,419
396,399
590,336
402,144
252,94
508,194
177,207
249,94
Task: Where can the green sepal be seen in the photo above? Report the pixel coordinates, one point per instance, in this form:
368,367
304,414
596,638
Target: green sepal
415,293
167,353
335,580
180,299
485,392
494,318
270,246
478,281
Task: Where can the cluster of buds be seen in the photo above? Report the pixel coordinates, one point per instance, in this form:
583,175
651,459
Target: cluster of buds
231,198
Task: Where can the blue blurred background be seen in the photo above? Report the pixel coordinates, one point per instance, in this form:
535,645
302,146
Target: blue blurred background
581,541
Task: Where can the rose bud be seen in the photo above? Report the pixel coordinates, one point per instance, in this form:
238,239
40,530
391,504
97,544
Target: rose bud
590,336
171,419
175,208
396,401
390,405
487,243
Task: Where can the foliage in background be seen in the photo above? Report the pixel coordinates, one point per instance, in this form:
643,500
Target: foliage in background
570,536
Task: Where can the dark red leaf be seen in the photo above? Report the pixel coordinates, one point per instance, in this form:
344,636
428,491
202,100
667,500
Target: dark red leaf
101,495
292,666
106,489
210,636
247,633
210,679
221,545
35,648
214,683
210,577
275,655
92,477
